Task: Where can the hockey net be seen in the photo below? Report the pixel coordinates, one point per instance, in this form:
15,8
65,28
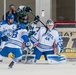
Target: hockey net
68,33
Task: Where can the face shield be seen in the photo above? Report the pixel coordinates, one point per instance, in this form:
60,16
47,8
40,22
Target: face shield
50,24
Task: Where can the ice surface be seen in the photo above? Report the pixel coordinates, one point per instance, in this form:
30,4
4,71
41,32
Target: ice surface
41,68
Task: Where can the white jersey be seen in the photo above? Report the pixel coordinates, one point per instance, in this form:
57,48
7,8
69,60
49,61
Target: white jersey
6,29
46,40
17,40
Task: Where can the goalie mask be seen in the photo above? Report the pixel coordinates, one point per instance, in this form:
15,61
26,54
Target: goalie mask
50,24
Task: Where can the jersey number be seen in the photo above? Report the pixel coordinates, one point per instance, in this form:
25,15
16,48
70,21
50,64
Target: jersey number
47,38
15,35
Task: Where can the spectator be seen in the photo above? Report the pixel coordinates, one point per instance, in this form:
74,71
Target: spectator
12,10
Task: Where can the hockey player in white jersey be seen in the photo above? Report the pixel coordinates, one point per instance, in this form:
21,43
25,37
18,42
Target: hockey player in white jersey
14,45
7,27
44,39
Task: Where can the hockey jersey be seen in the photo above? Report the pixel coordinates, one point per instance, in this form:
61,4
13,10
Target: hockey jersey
47,39
18,38
6,29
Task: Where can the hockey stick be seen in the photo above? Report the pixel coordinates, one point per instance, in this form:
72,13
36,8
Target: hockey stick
28,9
29,58
37,18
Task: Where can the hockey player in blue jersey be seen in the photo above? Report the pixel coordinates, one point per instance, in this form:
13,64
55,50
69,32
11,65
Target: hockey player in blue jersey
44,39
7,27
14,45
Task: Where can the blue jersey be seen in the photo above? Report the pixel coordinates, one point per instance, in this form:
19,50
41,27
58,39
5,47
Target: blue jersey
17,39
7,29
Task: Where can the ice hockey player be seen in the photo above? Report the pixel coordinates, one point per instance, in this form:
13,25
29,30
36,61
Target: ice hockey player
44,39
14,45
7,27
22,15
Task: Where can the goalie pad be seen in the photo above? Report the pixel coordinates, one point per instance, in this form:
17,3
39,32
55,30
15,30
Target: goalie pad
29,59
56,59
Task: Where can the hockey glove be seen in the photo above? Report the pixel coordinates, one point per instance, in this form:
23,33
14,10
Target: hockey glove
28,9
36,19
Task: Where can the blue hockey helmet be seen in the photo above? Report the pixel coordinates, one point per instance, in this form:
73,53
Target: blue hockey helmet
21,26
10,16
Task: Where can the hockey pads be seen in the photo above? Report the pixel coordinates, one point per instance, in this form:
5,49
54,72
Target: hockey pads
56,59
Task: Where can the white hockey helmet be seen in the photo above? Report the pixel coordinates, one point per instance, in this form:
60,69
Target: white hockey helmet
21,7
49,22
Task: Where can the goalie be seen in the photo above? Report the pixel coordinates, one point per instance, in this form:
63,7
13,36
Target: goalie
44,39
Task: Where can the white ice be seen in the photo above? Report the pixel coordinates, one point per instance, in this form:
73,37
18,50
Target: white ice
41,68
